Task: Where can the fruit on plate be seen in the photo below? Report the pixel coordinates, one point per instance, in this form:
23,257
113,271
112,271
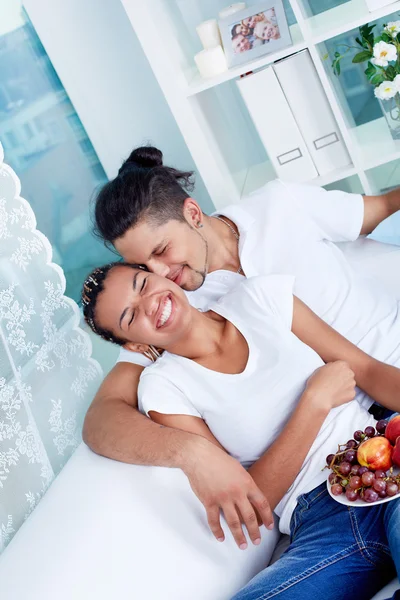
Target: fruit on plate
375,453
393,429
396,453
361,469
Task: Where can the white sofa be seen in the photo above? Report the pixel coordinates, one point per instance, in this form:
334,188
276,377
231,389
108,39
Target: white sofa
109,530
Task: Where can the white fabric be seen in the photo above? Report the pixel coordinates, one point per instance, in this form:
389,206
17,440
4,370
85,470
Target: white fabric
47,378
290,228
247,411
107,530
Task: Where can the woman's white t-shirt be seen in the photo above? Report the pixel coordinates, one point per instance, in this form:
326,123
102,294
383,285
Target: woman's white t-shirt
247,411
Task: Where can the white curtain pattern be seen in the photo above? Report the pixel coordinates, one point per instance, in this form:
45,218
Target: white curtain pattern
47,375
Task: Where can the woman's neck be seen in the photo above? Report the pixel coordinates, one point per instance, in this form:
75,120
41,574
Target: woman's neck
203,338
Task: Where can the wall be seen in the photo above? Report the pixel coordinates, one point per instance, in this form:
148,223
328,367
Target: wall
103,68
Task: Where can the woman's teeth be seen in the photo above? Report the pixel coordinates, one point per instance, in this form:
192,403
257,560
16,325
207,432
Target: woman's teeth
166,313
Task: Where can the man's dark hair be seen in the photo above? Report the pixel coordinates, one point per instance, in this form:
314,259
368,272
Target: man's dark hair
143,189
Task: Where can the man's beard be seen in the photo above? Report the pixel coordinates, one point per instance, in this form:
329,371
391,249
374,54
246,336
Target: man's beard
201,274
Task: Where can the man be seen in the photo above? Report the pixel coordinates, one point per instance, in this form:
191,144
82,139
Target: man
281,228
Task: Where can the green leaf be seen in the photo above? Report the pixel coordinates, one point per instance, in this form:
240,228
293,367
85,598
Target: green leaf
386,38
359,42
338,68
370,70
377,79
362,56
325,56
398,37
390,72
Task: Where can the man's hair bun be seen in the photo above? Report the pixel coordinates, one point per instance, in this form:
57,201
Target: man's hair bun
145,156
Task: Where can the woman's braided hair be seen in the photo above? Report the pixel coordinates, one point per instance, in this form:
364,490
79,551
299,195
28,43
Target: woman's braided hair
92,287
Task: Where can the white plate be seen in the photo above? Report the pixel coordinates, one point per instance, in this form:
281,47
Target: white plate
343,500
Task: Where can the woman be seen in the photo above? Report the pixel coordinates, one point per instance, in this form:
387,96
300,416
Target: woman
242,383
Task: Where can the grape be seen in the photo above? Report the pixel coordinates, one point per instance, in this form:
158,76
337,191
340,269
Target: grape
351,444
382,494
381,426
355,470
362,470
369,431
367,478
350,456
351,494
345,467
392,488
337,489
370,495
379,474
355,482
333,478
379,485
358,435
329,459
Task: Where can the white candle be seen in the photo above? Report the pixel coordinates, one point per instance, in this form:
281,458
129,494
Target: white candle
230,10
211,62
209,34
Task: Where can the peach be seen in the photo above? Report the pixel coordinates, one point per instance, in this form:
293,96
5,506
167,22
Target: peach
393,429
396,453
375,453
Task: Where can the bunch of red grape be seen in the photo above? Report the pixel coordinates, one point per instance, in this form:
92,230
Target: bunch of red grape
355,481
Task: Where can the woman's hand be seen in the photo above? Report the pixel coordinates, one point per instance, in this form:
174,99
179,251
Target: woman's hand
331,385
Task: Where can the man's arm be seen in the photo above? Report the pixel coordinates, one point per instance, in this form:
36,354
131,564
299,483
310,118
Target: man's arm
379,380
114,428
379,208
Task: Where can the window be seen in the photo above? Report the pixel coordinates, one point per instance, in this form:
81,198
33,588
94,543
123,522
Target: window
45,143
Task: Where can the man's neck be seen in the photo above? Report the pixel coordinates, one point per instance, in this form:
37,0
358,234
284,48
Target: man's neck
223,245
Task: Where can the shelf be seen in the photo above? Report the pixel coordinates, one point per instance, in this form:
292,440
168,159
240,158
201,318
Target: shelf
198,84
259,175
344,18
375,144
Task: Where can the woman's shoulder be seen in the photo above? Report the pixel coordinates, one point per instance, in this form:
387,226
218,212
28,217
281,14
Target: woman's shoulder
165,369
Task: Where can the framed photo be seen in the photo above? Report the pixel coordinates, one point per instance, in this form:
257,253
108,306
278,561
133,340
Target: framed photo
254,31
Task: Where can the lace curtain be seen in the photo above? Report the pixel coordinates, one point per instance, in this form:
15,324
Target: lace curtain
47,377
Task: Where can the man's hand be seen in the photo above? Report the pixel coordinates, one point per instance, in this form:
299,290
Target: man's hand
221,483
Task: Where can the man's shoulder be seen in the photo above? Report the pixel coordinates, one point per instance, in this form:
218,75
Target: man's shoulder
259,203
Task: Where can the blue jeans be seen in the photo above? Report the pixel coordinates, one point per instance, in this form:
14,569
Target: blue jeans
335,552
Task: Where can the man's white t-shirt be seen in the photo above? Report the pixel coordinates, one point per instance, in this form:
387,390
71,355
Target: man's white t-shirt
246,412
290,228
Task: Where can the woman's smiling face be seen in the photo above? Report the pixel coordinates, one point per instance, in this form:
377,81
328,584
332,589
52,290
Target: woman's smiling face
143,308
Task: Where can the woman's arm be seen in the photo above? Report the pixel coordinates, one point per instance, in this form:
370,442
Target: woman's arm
330,386
380,381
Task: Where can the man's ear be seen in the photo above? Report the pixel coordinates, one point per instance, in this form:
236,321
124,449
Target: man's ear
134,347
192,212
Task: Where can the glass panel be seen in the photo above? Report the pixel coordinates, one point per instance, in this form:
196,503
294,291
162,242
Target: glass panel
316,7
45,143
351,185
383,179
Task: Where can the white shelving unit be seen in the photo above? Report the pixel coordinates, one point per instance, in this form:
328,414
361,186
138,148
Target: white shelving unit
211,115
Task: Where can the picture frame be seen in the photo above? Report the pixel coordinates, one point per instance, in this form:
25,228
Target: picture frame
254,31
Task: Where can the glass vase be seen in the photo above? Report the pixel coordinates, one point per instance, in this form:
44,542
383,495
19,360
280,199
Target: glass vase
391,110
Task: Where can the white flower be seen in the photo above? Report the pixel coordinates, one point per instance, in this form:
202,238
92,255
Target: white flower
393,28
383,54
386,90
